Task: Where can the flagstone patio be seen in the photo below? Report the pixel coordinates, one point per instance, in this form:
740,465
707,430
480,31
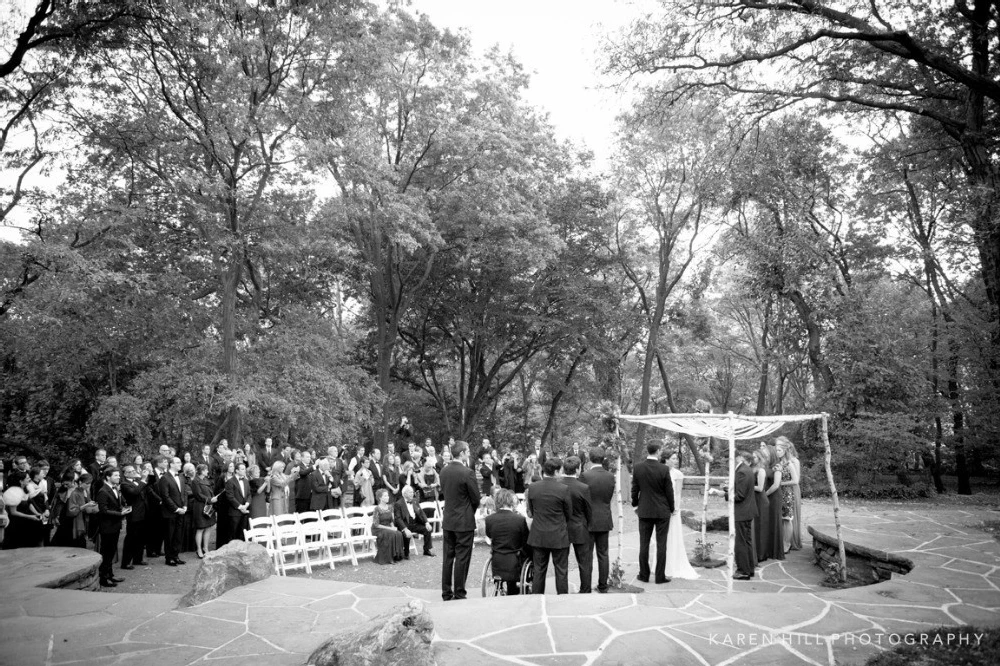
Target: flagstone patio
785,618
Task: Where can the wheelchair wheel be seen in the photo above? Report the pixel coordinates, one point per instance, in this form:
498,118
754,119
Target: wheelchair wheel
527,576
491,585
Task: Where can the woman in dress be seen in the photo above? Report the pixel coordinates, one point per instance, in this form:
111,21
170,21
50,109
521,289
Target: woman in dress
390,477
789,485
222,536
429,481
678,565
278,485
531,470
258,493
187,521
388,539
364,482
25,530
795,468
407,477
773,482
760,524
201,495
486,475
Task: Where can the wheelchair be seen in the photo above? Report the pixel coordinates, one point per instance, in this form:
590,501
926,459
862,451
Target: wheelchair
494,586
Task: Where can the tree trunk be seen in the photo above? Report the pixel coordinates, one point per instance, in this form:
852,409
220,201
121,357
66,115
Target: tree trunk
822,374
691,443
557,398
230,283
765,370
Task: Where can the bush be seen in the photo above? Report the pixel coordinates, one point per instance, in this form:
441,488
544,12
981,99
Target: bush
945,646
883,491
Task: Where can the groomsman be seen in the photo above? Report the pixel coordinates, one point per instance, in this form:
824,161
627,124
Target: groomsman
550,509
172,489
238,500
745,511
579,523
602,489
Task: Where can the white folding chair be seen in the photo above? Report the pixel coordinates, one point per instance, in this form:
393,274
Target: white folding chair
314,543
338,536
264,536
289,543
265,521
359,521
432,510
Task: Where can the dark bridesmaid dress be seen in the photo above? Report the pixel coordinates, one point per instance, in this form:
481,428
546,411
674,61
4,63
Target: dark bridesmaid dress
776,549
761,531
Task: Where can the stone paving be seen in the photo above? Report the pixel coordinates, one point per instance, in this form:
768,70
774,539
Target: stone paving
788,618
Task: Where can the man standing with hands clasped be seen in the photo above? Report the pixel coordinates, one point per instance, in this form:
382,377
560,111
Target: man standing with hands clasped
173,497
110,513
238,497
458,524
653,497
744,511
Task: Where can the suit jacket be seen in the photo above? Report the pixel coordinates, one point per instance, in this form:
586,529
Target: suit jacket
401,516
319,491
551,511
377,469
172,497
508,532
134,496
235,495
218,467
743,495
461,497
265,459
109,511
652,490
301,490
579,498
602,489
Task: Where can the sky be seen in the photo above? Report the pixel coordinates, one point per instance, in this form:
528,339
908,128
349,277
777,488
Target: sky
558,43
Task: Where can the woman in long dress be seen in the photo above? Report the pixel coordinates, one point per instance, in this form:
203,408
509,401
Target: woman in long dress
258,493
791,490
277,483
789,478
388,539
776,548
761,522
202,497
678,565
364,482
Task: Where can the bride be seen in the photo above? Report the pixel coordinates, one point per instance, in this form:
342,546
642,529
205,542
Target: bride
678,565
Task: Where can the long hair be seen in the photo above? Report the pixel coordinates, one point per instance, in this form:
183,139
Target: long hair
789,447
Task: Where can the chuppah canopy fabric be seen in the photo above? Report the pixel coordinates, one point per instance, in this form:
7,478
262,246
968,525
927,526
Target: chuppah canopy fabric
722,426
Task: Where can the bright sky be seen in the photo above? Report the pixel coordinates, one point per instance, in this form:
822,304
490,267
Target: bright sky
558,42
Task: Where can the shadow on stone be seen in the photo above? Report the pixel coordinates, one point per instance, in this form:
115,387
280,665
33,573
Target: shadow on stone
400,636
235,564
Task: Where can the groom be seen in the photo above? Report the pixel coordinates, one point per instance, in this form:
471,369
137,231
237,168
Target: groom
653,497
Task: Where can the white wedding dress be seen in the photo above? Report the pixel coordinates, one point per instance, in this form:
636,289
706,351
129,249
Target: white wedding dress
678,565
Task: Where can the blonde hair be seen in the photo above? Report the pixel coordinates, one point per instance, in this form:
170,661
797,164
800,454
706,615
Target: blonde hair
786,443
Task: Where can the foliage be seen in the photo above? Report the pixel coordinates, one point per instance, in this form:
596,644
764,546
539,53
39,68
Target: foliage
703,550
945,646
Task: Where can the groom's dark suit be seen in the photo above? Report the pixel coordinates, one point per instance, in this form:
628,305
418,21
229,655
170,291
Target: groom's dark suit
653,497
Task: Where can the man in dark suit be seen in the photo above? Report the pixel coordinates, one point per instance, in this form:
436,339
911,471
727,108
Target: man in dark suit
653,497
376,467
238,501
172,489
154,516
508,533
551,510
602,489
410,520
320,487
219,460
109,515
132,489
744,511
204,457
301,490
267,453
579,523
461,499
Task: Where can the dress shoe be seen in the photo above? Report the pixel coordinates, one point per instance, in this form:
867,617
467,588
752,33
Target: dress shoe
127,567
171,563
144,563
116,580
661,581
741,577
428,554
108,583
641,579
600,591
179,561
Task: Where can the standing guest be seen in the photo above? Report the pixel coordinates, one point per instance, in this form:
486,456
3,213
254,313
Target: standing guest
410,519
155,526
110,513
188,529
249,456
430,453
390,477
653,497
268,454
48,486
132,489
100,458
376,468
791,495
62,517
258,493
238,498
486,471
203,509
579,523
461,498
278,484
761,533
25,529
347,489
507,472
602,489
408,477
550,510
744,512
219,459
364,482
776,547
222,521
81,508
339,478
38,497
203,457
321,486
137,462
388,539
186,459
173,496
301,472
429,482
508,533
531,471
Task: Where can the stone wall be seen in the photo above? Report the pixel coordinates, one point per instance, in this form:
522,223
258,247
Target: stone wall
865,566
83,578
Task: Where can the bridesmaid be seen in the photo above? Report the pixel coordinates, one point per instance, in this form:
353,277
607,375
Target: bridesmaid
762,522
776,548
789,478
791,456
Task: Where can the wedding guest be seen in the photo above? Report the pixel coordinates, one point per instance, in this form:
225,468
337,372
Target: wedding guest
602,489
154,502
429,482
63,517
388,539
410,519
486,472
238,498
364,481
508,533
302,471
203,506
577,526
110,514
132,489
172,490
321,486
258,493
390,477
278,484
188,529
25,529
222,521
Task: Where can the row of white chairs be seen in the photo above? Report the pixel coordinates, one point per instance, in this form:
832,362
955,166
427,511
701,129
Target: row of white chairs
317,538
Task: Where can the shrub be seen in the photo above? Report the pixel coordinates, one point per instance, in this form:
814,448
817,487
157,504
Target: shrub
944,646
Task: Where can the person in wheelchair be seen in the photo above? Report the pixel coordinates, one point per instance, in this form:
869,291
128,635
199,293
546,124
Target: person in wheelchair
507,531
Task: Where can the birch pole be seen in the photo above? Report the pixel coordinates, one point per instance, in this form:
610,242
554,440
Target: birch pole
827,457
704,507
732,505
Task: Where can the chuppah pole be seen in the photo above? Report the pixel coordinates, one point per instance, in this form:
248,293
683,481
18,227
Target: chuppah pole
827,456
732,505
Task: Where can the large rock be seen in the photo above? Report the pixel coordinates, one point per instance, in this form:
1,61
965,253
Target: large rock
235,564
401,636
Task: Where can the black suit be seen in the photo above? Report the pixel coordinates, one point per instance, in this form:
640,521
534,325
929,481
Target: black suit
267,458
551,511
135,531
602,489
458,524
237,494
653,495
744,511
109,516
508,532
154,518
579,530
417,524
172,497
